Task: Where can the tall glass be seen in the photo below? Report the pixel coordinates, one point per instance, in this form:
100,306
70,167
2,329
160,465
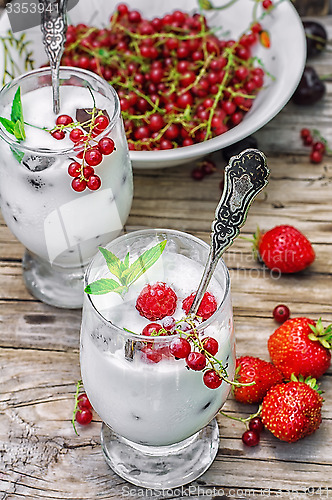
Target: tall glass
159,429
61,228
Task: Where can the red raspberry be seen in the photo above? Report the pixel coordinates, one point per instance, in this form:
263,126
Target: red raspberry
156,301
206,309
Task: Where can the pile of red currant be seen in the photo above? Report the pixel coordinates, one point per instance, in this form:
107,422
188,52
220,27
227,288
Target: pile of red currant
318,146
178,83
89,149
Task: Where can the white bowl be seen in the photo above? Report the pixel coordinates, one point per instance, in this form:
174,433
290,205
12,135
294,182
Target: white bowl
285,60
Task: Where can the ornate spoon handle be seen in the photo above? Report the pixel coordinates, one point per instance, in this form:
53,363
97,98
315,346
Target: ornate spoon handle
54,26
245,176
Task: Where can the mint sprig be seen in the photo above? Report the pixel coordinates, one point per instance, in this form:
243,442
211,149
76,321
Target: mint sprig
126,273
15,125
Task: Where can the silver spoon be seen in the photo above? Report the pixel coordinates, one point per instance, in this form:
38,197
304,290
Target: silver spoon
245,176
54,27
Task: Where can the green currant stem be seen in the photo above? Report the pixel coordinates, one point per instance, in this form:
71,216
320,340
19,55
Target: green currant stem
78,387
243,420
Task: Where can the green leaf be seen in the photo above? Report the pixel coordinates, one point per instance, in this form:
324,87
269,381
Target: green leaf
126,261
17,154
114,264
104,285
144,262
325,343
19,131
17,111
312,337
205,4
8,124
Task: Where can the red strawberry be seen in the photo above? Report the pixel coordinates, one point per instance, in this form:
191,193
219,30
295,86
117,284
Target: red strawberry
156,301
263,373
207,307
292,411
284,249
301,347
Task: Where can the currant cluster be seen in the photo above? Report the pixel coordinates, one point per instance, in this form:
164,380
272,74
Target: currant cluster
82,413
318,146
89,149
251,436
178,83
198,353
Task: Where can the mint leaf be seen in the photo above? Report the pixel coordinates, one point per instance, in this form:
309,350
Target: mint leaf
114,264
8,124
17,111
17,154
126,261
104,285
19,131
144,262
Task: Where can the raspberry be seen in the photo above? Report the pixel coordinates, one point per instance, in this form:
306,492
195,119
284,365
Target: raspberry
206,309
156,301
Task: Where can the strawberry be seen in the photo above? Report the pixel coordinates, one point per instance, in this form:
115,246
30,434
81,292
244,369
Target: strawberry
302,347
263,373
156,301
284,249
207,307
292,411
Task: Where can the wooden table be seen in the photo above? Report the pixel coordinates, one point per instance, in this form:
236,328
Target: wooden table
40,455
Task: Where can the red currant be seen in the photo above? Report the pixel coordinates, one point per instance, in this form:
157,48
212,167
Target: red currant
316,157
211,379
151,329
150,354
267,4
64,120
250,438
106,145
256,424
83,417
76,135
210,345
88,171
305,132
83,402
93,157
180,348
94,182
197,174
74,169
58,135
101,122
78,184
319,146
281,313
196,361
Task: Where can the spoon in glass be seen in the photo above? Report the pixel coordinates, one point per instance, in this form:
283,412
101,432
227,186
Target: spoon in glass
54,27
245,176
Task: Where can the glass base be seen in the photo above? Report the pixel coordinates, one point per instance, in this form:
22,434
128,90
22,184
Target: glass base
59,287
163,466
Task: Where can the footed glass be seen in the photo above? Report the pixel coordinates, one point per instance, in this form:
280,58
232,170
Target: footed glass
159,429
61,228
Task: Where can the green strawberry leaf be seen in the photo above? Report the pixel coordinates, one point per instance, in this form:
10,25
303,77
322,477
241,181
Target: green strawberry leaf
114,264
104,285
17,111
313,337
8,124
144,262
